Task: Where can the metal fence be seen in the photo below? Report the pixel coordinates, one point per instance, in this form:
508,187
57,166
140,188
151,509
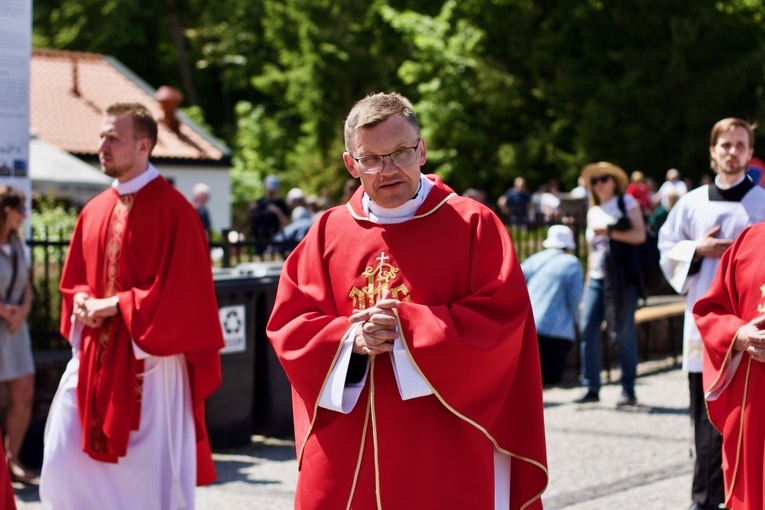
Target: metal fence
48,253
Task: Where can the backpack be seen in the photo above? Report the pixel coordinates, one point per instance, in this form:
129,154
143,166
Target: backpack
648,255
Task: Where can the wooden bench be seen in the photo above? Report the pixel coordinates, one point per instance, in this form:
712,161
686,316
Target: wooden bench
658,312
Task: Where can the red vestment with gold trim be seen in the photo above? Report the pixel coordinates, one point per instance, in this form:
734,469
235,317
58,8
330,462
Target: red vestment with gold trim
167,306
467,324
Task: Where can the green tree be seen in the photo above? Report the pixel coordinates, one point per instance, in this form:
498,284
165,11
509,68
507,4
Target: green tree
328,55
474,101
137,33
641,82
503,87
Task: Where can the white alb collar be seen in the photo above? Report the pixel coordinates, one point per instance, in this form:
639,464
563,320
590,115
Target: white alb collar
402,213
136,183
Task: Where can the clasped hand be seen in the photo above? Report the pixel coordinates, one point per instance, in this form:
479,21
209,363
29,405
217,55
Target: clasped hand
14,316
378,327
751,338
92,311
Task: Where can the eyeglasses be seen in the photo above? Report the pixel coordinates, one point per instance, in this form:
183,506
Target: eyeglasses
400,158
599,178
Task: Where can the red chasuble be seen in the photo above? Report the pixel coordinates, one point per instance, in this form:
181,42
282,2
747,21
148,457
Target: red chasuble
7,498
167,305
466,322
737,296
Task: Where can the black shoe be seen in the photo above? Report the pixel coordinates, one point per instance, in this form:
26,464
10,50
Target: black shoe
710,506
590,396
627,398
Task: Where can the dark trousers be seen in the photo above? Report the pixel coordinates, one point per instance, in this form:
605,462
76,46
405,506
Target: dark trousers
707,489
553,353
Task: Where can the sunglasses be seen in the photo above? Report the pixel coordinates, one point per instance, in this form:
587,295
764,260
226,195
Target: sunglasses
599,178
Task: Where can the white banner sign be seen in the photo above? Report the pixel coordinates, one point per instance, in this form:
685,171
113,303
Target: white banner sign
15,54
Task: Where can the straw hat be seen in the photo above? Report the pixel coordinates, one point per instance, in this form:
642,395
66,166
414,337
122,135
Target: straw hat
559,236
605,168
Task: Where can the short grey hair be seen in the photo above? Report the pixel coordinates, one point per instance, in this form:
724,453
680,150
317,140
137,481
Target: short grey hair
201,189
376,108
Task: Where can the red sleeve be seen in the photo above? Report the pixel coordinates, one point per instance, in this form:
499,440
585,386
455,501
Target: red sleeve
169,305
492,321
171,308
719,315
74,278
7,498
305,310
457,348
716,312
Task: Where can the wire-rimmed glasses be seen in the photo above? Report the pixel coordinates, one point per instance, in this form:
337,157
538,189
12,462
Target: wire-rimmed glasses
400,158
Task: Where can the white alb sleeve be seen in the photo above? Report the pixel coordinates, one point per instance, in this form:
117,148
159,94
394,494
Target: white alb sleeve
678,264
411,384
724,380
337,396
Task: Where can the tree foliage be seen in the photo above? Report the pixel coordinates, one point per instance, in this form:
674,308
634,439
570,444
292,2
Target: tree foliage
503,87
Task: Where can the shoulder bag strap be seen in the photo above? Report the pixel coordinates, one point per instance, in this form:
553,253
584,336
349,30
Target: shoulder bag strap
14,270
620,203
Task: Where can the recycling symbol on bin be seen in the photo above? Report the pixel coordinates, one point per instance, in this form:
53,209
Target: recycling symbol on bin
232,323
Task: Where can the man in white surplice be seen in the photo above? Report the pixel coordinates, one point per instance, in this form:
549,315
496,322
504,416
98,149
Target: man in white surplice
699,228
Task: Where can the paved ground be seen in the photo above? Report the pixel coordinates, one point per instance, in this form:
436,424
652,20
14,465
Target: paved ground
599,457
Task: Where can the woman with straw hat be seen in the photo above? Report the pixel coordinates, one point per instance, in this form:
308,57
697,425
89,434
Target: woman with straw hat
614,225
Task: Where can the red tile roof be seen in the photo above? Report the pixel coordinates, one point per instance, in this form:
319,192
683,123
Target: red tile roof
70,91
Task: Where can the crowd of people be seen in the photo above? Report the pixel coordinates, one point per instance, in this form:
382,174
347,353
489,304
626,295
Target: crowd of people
371,328
518,204
278,221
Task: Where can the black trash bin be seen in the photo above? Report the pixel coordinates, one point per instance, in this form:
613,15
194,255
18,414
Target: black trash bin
272,405
254,396
229,409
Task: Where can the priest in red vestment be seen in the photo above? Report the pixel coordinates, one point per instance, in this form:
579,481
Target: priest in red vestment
404,325
139,306
731,319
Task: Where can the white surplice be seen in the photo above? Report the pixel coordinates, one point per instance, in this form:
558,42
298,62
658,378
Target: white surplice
692,217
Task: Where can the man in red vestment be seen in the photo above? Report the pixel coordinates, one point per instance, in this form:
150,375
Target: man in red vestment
139,306
403,323
731,320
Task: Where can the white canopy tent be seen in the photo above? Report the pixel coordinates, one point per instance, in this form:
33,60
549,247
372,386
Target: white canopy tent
55,172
